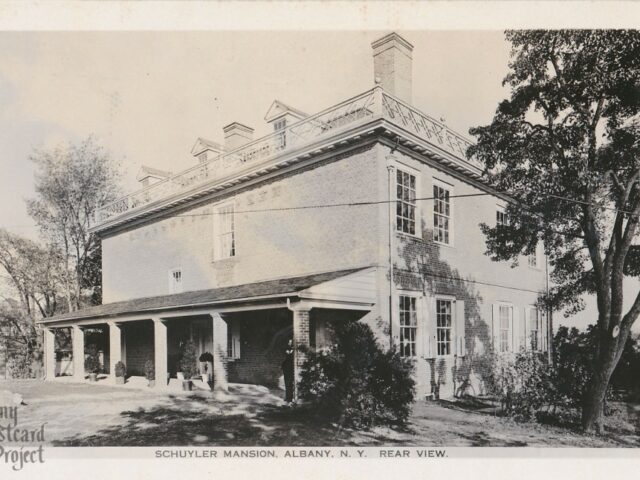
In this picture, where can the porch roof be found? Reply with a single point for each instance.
(281, 287)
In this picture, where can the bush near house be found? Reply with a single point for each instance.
(92, 360)
(121, 369)
(188, 360)
(523, 383)
(528, 387)
(150, 370)
(355, 382)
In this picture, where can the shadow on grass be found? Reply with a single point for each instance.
(483, 406)
(203, 421)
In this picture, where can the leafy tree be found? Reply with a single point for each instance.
(565, 148)
(71, 183)
(33, 280)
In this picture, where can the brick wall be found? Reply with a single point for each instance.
(263, 336)
(269, 244)
(285, 243)
(461, 271)
(138, 346)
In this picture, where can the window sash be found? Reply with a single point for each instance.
(408, 325)
(175, 281)
(505, 328)
(225, 232)
(405, 202)
(534, 319)
(501, 218)
(441, 215)
(444, 324)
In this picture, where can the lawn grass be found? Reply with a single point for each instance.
(92, 415)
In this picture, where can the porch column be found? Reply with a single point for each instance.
(300, 339)
(160, 351)
(77, 339)
(115, 348)
(49, 354)
(219, 351)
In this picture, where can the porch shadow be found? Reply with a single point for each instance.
(204, 421)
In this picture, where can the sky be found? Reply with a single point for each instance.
(147, 96)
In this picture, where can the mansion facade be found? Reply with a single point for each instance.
(367, 211)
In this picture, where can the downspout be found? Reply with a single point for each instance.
(390, 169)
(549, 316)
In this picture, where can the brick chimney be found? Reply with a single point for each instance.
(392, 65)
(236, 135)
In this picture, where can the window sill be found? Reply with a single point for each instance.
(414, 236)
(223, 260)
(441, 244)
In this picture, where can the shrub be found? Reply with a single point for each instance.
(355, 382)
(573, 353)
(188, 360)
(523, 383)
(19, 366)
(92, 360)
(206, 357)
(150, 370)
(121, 369)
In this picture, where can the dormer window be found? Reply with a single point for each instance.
(279, 125)
(202, 158)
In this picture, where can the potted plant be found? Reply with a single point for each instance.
(206, 359)
(188, 365)
(150, 372)
(121, 371)
(92, 364)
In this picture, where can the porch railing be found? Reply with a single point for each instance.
(371, 105)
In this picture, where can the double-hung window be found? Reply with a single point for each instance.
(533, 260)
(441, 215)
(534, 322)
(444, 321)
(175, 281)
(408, 325)
(224, 232)
(501, 218)
(505, 315)
(233, 340)
(405, 202)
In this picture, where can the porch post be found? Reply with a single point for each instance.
(115, 348)
(77, 339)
(49, 354)
(300, 339)
(160, 351)
(219, 351)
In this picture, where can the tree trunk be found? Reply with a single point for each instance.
(593, 405)
(594, 400)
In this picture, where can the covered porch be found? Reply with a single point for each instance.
(244, 328)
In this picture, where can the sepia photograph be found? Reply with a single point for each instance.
(381, 243)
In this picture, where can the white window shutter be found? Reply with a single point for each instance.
(423, 327)
(517, 330)
(430, 336)
(543, 334)
(460, 337)
(527, 328)
(495, 309)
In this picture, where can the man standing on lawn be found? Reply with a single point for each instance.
(287, 370)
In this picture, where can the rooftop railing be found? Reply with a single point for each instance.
(368, 106)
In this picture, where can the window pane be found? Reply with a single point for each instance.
(408, 325)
